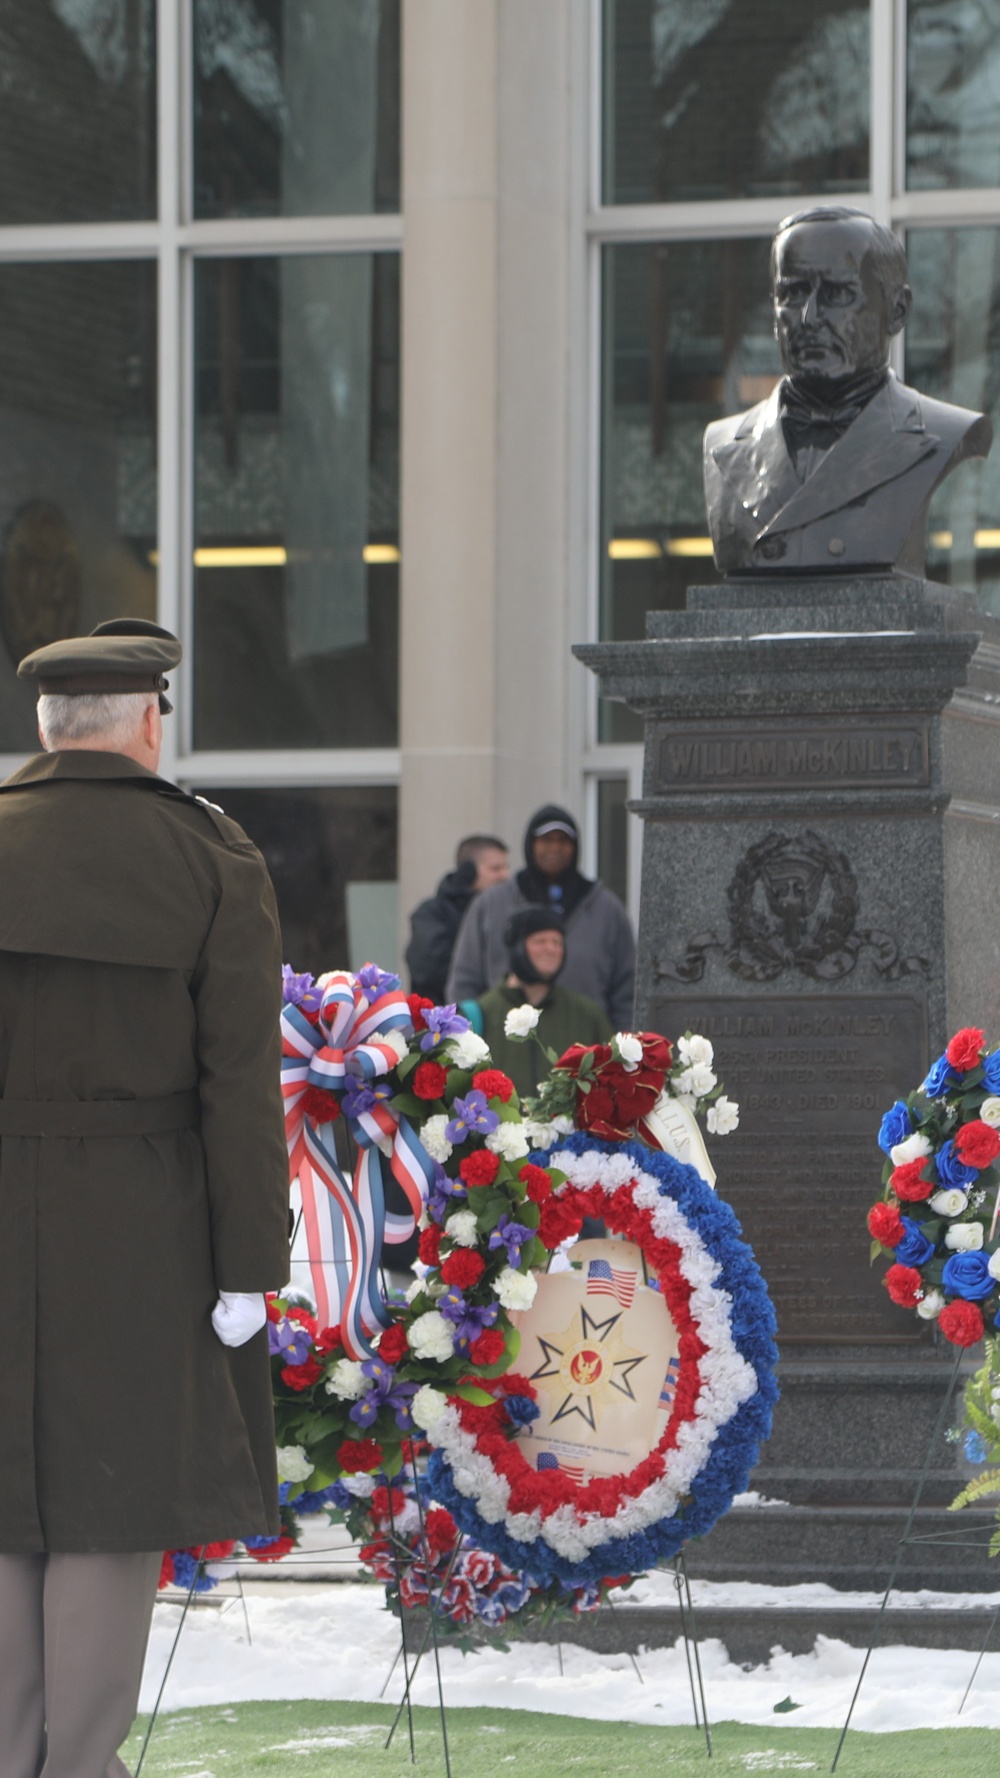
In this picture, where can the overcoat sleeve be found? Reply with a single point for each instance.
(237, 994)
(469, 975)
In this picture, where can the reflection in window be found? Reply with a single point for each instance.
(332, 858)
(734, 98)
(296, 107)
(687, 339)
(953, 352)
(77, 461)
(297, 501)
(78, 117)
(953, 93)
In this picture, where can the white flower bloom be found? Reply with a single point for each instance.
(508, 1141)
(430, 1336)
(521, 1021)
(462, 1228)
(432, 1135)
(629, 1048)
(413, 1290)
(692, 1050)
(361, 1486)
(540, 1136)
(965, 1237)
(293, 1464)
(723, 1116)
(915, 1148)
(394, 1040)
(948, 1202)
(696, 1081)
(516, 1290)
(989, 1111)
(930, 1305)
(347, 1380)
(467, 1050)
(427, 1407)
(993, 1267)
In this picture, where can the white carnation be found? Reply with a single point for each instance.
(509, 1141)
(394, 1040)
(293, 1464)
(723, 1116)
(915, 1148)
(694, 1050)
(467, 1050)
(540, 1136)
(930, 1305)
(430, 1336)
(965, 1237)
(993, 1267)
(629, 1049)
(462, 1228)
(521, 1021)
(989, 1111)
(413, 1290)
(695, 1081)
(948, 1201)
(347, 1380)
(516, 1290)
(427, 1407)
(432, 1135)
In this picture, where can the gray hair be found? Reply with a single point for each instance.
(111, 717)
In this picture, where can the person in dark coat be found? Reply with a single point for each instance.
(536, 953)
(480, 861)
(143, 1194)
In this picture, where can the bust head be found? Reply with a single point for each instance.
(838, 283)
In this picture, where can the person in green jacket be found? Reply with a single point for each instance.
(536, 952)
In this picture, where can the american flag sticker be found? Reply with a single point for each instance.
(549, 1460)
(607, 1280)
(669, 1389)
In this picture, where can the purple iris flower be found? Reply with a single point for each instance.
(472, 1116)
(376, 981)
(299, 990)
(442, 1192)
(510, 1235)
(442, 1022)
(290, 1339)
(360, 1096)
(468, 1319)
(385, 1391)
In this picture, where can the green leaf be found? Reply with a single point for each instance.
(408, 1105)
(785, 1706)
(480, 1398)
(982, 1487)
(875, 1248)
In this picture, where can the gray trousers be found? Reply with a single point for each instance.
(73, 1632)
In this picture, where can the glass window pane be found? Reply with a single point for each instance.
(77, 461)
(330, 852)
(952, 93)
(687, 339)
(78, 111)
(296, 107)
(297, 501)
(734, 98)
(953, 352)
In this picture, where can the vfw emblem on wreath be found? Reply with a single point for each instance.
(601, 1350)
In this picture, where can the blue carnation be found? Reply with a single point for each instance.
(951, 1170)
(521, 1409)
(941, 1079)
(974, 1446)
(914, 1249)
(968, 1275)
(991, 1072)
(897, 1124)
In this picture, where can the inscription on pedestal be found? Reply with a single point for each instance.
(744, 756)
(813, 1075)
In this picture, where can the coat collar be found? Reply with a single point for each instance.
(82, 763)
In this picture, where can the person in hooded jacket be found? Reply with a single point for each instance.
(536, 954)
(480, 861)
(600, 947)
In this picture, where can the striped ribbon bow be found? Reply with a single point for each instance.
(359, 1037)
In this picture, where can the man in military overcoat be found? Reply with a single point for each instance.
(143, 1195)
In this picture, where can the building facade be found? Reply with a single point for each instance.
(369, 344)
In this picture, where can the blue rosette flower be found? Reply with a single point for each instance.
(914, 1249)
(968, 1275)
(991, 1072)
(951, 1170)
(897, 1124)
(941, 1079)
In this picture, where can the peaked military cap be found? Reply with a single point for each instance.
(124, 654)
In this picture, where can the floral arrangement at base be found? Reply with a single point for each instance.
(937, 1221)
(980, 1440)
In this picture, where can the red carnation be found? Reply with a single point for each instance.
(904, 1285)
(977, 1144)
(273, 1552)
(304, 1319)
(479, 1168)
(966, 1048)
(558, 1222)
(359, 1456)
(319, 1105)
(430, 1080)
(441, 1531)
(302, 1376)
(418, 1005)
(393, 1345)
(488, 1347)
(907, 1183)
(218, 1552)
(166, 1571)
(961, 1323)
(886, 1224)
(463, 1268)
(429, 1250)
(271, 1305)
(493, 1084)
(328, 1340)
(536, 1182)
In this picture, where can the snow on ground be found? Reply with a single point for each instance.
(336, 1640)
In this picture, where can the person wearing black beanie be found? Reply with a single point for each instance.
(536, 952)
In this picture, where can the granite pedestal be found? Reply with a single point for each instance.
(820, 887)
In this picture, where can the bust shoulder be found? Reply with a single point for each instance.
(723, 432)
(955, 426)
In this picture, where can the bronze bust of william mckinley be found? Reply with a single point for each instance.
(835, 470)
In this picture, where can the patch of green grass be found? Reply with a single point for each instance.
(314, 1740)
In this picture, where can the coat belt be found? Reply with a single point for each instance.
(100, 1117)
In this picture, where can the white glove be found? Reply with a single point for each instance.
(237, 1316)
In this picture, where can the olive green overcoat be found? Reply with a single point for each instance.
(139, 961)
